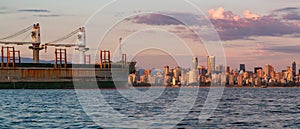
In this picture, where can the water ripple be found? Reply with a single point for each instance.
(238, 108)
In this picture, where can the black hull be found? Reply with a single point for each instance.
(62, 85)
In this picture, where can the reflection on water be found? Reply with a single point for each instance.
(238, 108)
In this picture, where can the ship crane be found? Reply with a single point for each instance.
(35, 40)
(80, 44)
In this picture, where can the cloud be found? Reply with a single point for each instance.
(216, 14)
(288, 13)
(4, 10)
(250, 15)
(245, 28)
(252, 25)
(284, 49)
(165, 19)
(220, 13)
(34, 10)
(231, 26)
(294, 16)
(44, 13)
(155, 19)
(48, 15)
(286, 9)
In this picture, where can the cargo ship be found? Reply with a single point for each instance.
(60, 74)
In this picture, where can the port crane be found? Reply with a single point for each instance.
(35, 40)
(36, 46)
(80, 44)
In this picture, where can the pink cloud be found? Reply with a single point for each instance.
(250, 25)
(220, 13)
(231, 26)
(250, 15)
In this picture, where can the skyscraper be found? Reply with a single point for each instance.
(294, 68)
(289, 73)
(242, 67)
(268, 70)
(210, 64)
(257, 68)
(166, 71)
(195, 63)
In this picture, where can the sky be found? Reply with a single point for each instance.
(253, 32)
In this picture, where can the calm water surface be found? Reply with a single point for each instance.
(238, 108)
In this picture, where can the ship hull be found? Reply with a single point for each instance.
(46, 76)
(61, 85)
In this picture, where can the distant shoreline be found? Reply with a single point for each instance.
(217, 87)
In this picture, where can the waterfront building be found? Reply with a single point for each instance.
(231, 79)
(132, 79)
(147, 72)
(294, 68)
(176, 73)
(183, 78)
(242, 67)
(211, 64)
(257, 68)
(228, 69)
(166, 71)
(245, 75)
(219, 68)
(167, 81)
(289, 73)
(194, 73)
(192, 77)
(240, 80)
(202, 70)
(195, 63)
(223, 79)
(279, 76)
(268, 70)
(257, 82)
(143, 79)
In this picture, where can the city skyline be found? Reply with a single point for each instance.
(293, 65)
(250, 35)
(216, 75)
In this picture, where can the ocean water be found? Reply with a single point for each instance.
(238, 108)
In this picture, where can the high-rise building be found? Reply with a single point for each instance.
(166, 71)
(195, 63)
(240, 80)
(268, 70)
(294, 68)
(211, 64)
(260, 73)
(228, 69)
(219, 68)
(242, 67)
(193, 74)
(177, 73)
(202, 70)
(289, 73)
(257, 68)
